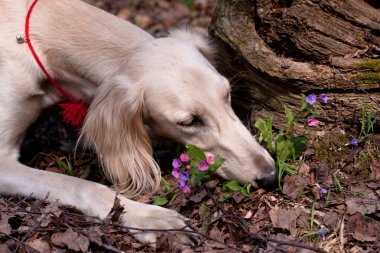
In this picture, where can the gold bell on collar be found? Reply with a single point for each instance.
(20, 39)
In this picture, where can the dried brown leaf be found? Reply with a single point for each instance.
(39, 245)
(375, 170)
(294, 184)
(95, 236)
(4, 248)
(5, 227)
(282, 218)
(75, 241)
(57, 239)
(199, 196)
(361, 230)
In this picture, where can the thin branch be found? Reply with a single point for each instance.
(357, 87)
(20, 242)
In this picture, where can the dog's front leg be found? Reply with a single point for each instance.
(91, 198)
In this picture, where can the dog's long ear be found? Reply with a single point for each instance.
(114, 127)
(199, 40)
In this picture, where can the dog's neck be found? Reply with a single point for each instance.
(81, 42)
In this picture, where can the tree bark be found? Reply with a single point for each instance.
(275, 50)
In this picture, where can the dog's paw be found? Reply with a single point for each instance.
(149, 220)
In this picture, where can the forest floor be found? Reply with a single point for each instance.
(330, 205)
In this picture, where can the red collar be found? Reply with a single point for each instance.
(74, 111)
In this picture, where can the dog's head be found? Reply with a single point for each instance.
(172, 86)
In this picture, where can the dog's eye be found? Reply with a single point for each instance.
(192, 121)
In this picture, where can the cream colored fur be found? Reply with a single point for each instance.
(130, 79)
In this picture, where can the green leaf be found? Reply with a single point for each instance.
(160, 201)
(166, 185)
(200, 177)
(225, 196)
(299, 145)
(265, 129)
(195, 153)
(284, 147)
(173, 197)
(248, 187)
(218, 162)
(290, 118)
(303, 102)
(233, 185)
(193, 178)
(244, 192)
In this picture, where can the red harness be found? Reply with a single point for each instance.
(74, 111)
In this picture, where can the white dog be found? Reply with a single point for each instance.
(129, 79)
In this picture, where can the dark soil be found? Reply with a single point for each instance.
(298, 218)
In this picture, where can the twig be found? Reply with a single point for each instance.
(294, 244)
(20, 242)
(110, 248)
(257, 237)
(185, 229)
(357, 87)
(30, 232)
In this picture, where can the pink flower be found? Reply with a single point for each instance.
(312, 122)
(188, 167)
(202, 165)
(210, 160)
(184, 157)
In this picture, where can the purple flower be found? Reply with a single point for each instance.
(184, 176)
(176, 163)
(183, 186)
(323, 232)
(202, 165)
(184, 157)
(311, 99)
(312, 122)
(176, 172)
(353, 142)
(323, 191)
(323, 98)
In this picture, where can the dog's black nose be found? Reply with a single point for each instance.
(268, 181)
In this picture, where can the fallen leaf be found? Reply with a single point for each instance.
(57, 239)
(375, 170)
(39, 245)
(5, 229)
(4, 248)
(304, 170)
(293, 185)
(272, 198)
(361, 230)
(248, 215)
(75, 241)
(361, 205)
(366, 204)
(218, 235)
(282, 218)
(95, 236)
(199, 196)
(237, 197)
(330, 219)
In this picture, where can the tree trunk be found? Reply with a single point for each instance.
(276, 50)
